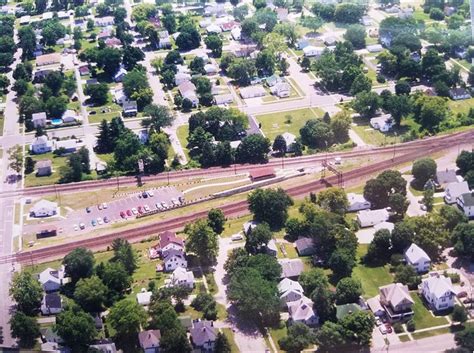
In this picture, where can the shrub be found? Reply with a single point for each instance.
(411, 326)
(381, 78)
(398, 327)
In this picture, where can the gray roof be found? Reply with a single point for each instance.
(38, 116)
(291, 267)
(52, 300)
(446, 176)
(467, 199)
(168, 254)
(395, 293)
(416, 254)
(130, 105)
(304, 243)
(45, 163)
(149, 339)
(202, 332)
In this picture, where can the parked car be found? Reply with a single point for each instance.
(144, 194)
(106, 219)
(175, 202)
(76, 228)
(158, 206)
(82, 225)
(164, 204)
(104, 205)
(94, 223)
(88, 209)
(129, 213)
(99, 221)
(378, 322)
(146, 208)
(140, 209)
(99, 206)
(383, 330)
(150, 193)
(122, 214)
(134, 211)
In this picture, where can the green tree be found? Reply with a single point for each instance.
(430, 112)
(334, 200)
(428, 199)
(316, 134)
(124, 254)
(265, 62)
(465, 338)
(377, 191)
(379, 248)
(331, 337)
(348, 12)
(29, 165)
(127, 318)
(465, 162)
(459, 314)
(202, 241)
(25, 328)
(79, 263)
(76, 328)
(270, 206)
(356, 35)
(298, 338)
(361, 324)
(341, 262)
(463, 240)
(348, 290)
(340, 125)
(366, 103)
(407, 275)
(398, 204)
(115, 278)
(423, 169)
(15, 158)
(361, 84)
(242, 70)
(158, 116)
(258, 238)
(214, 43)
(26, 291)
(222, 344)
(27, 41)
(253, 149)
(451, 217)
(98, 94)
(313, 23)
(279, 145)
(216, 220)
(90, 294)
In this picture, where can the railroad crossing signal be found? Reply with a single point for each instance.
(326, 165)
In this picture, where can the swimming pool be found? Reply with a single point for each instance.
(56, 121)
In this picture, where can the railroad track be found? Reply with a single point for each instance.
(446, 140)
(230, 210)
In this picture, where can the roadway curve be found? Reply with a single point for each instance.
(232, 209)
(241, 168)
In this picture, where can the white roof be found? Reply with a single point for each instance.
(52, 275)
(289, 138)
(210, 68)
(65, 143)
(44, 204)
(213, 28)
(272, 245)
(143, 298)
(373, 216)
(312, 49)
(181, 274)
(354, 198)
(38, 116)
(439, 285)
(381, 120)
(287, 285)
(301, 309)
(396, 293)
(40, 140)
(416, 254)
(385, 225)
(457, 189)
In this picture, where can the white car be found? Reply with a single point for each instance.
(383, 330)
(134, 211)
(150, 193)
(146, 208)
(76, 227)
(175, 202)
(100, 221)
(104, 205)
(378, 322)
(164, 204)
(158, 206)
(82, 225)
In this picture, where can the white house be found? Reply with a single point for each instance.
(150, 341)
(51, 280)
(51, 304)
(310, 51)
(454, 190)
(181, 77)
(222, 99)
(466, 203)
(68, 145)
(187, 90)
(165, 41)
(173, 259)
(369, 218)
(44, 208)
(119, 96)
(41, 144)
(382, 123)
(144, 297)
(120, 74)
(236, 33)
(302, 311)
(357, 202)
(104, 21)
(39, 119)
(69, 116)
(385, 225)
(211, 69)
(290, 291)
(252, 92)
(417, 258)
(374, 48)
(182, 277)
(290, 139)
(213, 28)
(281, 89)
(438, 292)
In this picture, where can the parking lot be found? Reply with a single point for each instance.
(120, 210)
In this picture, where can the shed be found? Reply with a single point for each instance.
(262, 173)
(305, 246)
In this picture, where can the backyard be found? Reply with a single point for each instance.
(57, 163)
(374, 137)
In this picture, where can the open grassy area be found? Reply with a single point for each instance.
(107, 112)
(182, 132)
(431, 333)
(371, 277)
(461, 106)
(291, 121)
(291, 252)
(230, 337)
(375, 137)
(423, 317)
(277, 334)
(57, 163)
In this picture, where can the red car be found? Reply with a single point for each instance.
(122, 214)
(140, 209)
(129, 213)
(389, 328)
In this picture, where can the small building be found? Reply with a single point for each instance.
(187, 90)
(84, 70)
(41, 144)
(290, 139)
(213, 29)
(113, 42)
(305, 246)
(271, 248)
(438, 292)
(24, 20)
(357, 202)
(330, 40)
(129, 108)
(453, 190)
(302, 43)
(249, 226)
(51, 280)
(69, 146)
(282, 14)
(262, 173)
(105, 21)
(182, 277)
(39, 119)
(44, 208)
(173, 259)
(169, 241)
(69, 116)
(289, 291)
(48, 59)
(51, 304)
(119, 96)
(203, 335)
(104, 346)
(310, 51)
(346, 309)
(104, 34)
(366, 21)
(417, 258)
(369, 218)
(252, 92)
(466, 204)
(302, 311)
(281, 90)
(396, 301)
(291, 268)
(382, 123)
(374, 48)
(459, 94)
(229, 26)
(236, 33)
(211, 69)
(223, 99)
(444, 177)
(405, 13)
(44, 167)
(144, 297)
(40, 75)
(150, 341)
(120, 74)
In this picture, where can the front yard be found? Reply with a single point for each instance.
(423, 317)
(57, 163)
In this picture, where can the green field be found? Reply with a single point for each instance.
(277, 123)
(182, 132)
(57, 163)
(461, 106)
(423, 317)
(377, 138)
(2, 122)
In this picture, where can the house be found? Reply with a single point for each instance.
(41, 144)
(69, 146)
(165, 41)
(357, 202)
(282, 14)
(330, 40)
(92, 81)
(120, 74)
(252, 92)
(302, 43)
(69, 116)
(188, 90)
(84, 70)
(302, 311)
(129, 108)
(113, 42)
(173, 259)
(105, 21)
(44, 167)
(305, 246)
(217, 10)
(466, 204)
(244, 50)
(48, 59)
(181, 77)
(382, 123)
(459, 94)
(262, 173)
(203, 335)
(249, 226)
(211, 69)
(169, 241)
(236, 33)
(24, 20)
(40, 75)
(104, 34)
(182, 277)
(346, 309)
(444, 177)
(454, 190)
(438, 292)
(272, 80)
(51, 280)
(48, 335)
(290, 291)
(104, 346)
(150, 341)
(271, 248)
(310, 51)
(213, 28)
(63, 15)
(291, 268)
(396, 301)
(417, 258)
(44, 208)
(119, 96)
(144, 297)
(369, 218)
(223, 99)
(374, 48)
(290, 139)
(229, 26)
(51, 304)
(281, 89)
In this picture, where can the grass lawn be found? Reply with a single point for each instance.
(277, 123)
(419, 14)
(431, 333)
(58, 162)
(235, 226)
(461, 106)
(290, 251)
(277, 334)
(423, 317)
(182, 132)
(211, 283)
(404, 338)
(2, 122)
(230, 337)
(371, 277)
(106, 112)
(375, 137)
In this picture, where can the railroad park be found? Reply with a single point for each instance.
(243, 176)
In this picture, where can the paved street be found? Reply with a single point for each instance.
(431, 344)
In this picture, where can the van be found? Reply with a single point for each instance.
(237, 237)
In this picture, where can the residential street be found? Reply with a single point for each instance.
(431, 344)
